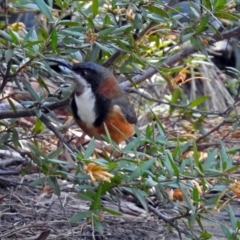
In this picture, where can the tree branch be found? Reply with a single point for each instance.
(32, 112)
(178, 57)
(55, 130)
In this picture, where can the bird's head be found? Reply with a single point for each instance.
(90, 75)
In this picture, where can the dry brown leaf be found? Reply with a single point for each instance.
(18, 26)
(236, 188)
(177, 194)
(47, 189)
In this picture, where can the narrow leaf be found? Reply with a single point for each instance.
(54, 36)
(95, 7)
(198, 101)
(80, 216)
(44, 8)
(141, 169)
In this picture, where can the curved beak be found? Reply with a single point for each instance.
(65, 66)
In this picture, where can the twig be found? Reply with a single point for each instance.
(32, 112)
(6, 75)
(57, 133)
(28, 227)
(9, 172)
(65, 214)
(211, 131)
(132, 90)
(169, 221)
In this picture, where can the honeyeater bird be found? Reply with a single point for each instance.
(98, 102)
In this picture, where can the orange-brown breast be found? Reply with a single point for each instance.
(118, 127)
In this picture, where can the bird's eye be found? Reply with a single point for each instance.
(84, 73)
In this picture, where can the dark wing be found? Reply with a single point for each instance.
(126, 108)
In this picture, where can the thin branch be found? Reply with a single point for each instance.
(29, 226)
(169, 221)
(57, 133)
(205, 113)
(32, 112)
(6, 75)
(211, 131)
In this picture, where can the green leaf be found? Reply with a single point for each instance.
(232, 217)
(12, 105)
(9, 54)
(97, 224)
(39, 113)
(158, 11)
(68, 23)
(5, 35)
(38, 126)
(227, 16)
(138, 21)
(123, 28)
(188, 200)
(197, 43)
(53, 182)
(94, 53)
(14, 35)
(44, 8)
(15, 138)
(175, 97)
(186, 37)
(205, 235)
(197, 101)
(31, 90)
(90, 149)
(219, 4)
(95, 6)
(54, 36)
(228, 232)
(37, 151)
(203, 24)
(43, 84)
(55, 153)
(97, 199)
(37, 182)
(195, 195)
(113, 212)
(175, 168)
(149, 131)
(5, 137)
(106, 31)
(79, 216)
(141, 169)
(196, 157)
(207, 4)
(238, 224)
(140, 195)
(102, 47)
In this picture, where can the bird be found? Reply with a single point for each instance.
(98, 102)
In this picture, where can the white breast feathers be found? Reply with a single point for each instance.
(86, 106)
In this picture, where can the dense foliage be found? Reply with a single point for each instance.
(154, 48)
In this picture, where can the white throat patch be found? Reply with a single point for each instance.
(85, 102)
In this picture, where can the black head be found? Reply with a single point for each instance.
(86, 73)
(93, 73)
